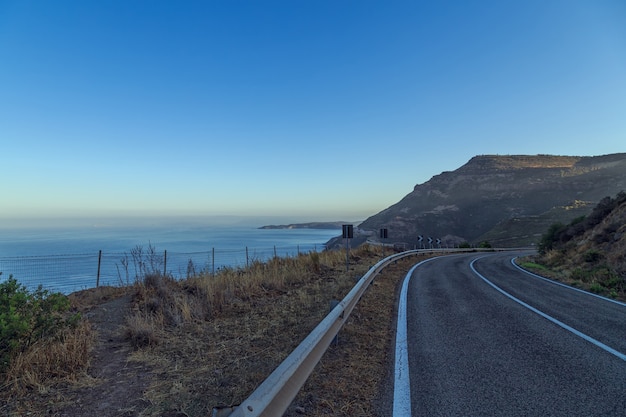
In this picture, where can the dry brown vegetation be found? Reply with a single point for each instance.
(46, 362)
(210, 340)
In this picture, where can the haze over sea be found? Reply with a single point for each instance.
(65, 257)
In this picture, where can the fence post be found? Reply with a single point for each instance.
(247, 263)
(298, 250)
(165, 262)
(99, 262)
(275, 251)
(213, 261)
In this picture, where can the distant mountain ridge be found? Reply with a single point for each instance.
(507, 199)
(310, 225)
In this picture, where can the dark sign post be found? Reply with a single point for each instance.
(420, 239)
(348, 233)
(383, 235)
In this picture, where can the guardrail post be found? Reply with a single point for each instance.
(333, 304)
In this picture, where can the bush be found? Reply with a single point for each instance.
(26, 317)
(592, 256)
(551, 237)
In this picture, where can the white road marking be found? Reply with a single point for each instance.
(402, 382)
(550, 318)
(565, 285)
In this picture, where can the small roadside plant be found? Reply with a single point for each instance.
(27, 317)
(533, 266)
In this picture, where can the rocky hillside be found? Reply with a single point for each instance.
(508, 200)
(590, 251)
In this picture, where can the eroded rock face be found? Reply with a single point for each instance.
(512, 198)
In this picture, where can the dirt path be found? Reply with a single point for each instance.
(118, 384)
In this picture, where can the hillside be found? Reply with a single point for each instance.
(508, 200)
(590, 251)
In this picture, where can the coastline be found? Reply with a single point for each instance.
(311, 225)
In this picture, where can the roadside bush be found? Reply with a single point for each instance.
(26, 317)
(592, 256)
(550, 238)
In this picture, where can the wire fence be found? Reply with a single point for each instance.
(73, 272)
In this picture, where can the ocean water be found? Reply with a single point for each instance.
(68, 259)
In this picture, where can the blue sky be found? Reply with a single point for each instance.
(317, 109)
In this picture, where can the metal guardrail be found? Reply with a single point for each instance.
(276, 393)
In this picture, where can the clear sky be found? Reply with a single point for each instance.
(320, 109)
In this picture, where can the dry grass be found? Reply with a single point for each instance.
(219, 337)
(210, 340)
(86, 299)
(353, 376)
(62, 360)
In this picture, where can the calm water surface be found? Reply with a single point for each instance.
(66, 258)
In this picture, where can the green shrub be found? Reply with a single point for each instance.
(580, 274)
(465, 245)
(26, 317)
(592, 256)
(612, 280)
(550, 238)
(596, 288)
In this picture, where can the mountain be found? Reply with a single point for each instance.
(508, 200)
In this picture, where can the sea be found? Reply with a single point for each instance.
(72, 258)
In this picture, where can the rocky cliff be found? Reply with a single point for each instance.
(509, 200)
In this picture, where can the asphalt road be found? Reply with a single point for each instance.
(475, 351)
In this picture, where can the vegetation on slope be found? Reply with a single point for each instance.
(590, 251)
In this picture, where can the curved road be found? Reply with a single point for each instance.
(484, 338)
